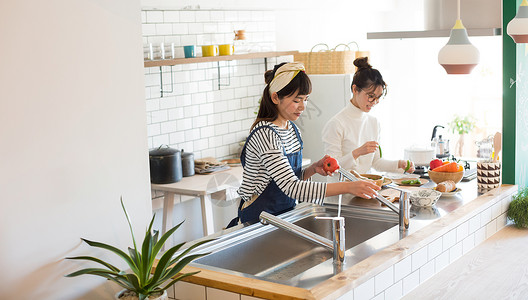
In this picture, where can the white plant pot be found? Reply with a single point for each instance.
(120, 294)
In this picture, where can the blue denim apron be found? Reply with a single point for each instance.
(272, 199)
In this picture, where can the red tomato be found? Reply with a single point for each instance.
(330, 165)
(435, 163)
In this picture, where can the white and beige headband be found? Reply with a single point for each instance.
(284, 75)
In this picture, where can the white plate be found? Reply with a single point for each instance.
(393, 175)
(452, 193)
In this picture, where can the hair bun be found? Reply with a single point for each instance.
(268, 76)
(362, 63)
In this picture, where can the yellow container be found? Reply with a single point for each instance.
(210, 50)
(226, 49)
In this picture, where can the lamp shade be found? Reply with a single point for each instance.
(458, 56)
(518, 26)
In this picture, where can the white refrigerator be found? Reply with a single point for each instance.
(330, 94)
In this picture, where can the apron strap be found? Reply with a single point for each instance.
(298, 135)
(243, 152)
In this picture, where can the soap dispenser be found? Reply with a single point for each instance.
(442, 147)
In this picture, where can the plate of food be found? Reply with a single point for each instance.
(378, 179)
(386, 181)
(411, 181)
(447, 188)
(452, 193)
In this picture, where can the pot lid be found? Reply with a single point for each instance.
(163, 150)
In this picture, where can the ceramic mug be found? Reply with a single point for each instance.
(189, 51)
(210, 50)
(226, 49)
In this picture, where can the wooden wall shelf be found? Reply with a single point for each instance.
(180, 61)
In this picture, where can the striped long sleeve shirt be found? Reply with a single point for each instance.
(265, 160)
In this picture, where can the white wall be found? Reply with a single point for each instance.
(73, 137)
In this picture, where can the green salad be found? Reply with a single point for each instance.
(411, 181)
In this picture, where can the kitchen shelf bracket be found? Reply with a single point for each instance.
(228, 74)
(162, 92)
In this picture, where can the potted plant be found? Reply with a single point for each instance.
(518, 210)
(462, 126)
(141, 283)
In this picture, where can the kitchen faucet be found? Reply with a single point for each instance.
(337, 246)
(338, 234)
(403, 211)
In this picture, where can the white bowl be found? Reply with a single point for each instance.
(424, 198)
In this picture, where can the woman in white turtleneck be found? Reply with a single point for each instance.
(352, 135)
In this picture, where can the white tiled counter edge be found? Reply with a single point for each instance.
(402, 277)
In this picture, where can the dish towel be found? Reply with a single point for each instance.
(208, 165)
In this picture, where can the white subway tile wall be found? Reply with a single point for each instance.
(188, 291)
(364, 290)
(438, 254)
(213, 293)
(212, 105)
(384, 280)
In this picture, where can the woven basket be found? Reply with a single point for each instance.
(328, 61)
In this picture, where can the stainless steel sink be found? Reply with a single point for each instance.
(265, 252)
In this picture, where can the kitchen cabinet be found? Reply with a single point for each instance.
(180, 61)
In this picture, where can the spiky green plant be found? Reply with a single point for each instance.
(141, 280)
(518, 210)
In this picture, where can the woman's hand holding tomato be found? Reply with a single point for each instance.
(361, 188)
(326, 166)
(330, 164)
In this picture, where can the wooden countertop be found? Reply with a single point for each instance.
(496, 269)
(343, 282)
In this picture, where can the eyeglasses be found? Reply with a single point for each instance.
(371, 97)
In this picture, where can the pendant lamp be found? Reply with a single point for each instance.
(518, 26)
(459, 56)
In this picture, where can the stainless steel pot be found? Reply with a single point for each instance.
(165, 165)
(187, 163)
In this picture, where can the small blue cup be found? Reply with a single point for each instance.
(189, 51)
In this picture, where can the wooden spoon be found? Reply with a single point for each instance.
(497, 145)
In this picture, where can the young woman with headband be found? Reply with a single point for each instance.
(352, 135)
(273, 179)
